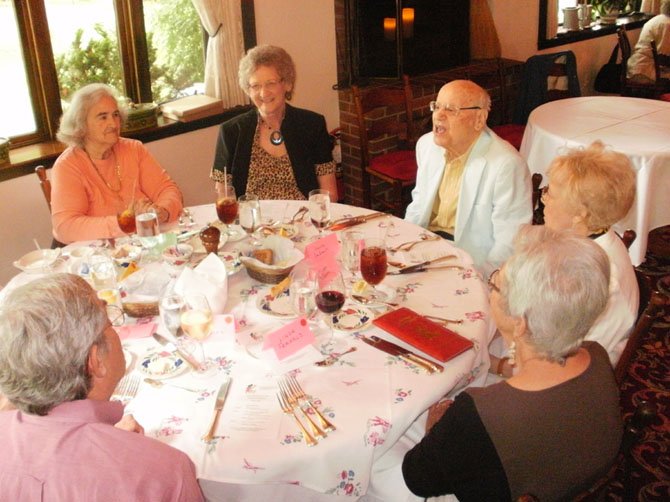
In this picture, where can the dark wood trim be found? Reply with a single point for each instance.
(248, 24)
(134, 50)
(24, 160)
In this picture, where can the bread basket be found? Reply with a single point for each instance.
(286, 257)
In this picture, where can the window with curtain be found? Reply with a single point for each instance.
(149, 50)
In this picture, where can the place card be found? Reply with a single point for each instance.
(289, 339)
(326, 247)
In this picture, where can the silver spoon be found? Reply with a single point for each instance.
(366, 301)
(330, 360)
(160, 383)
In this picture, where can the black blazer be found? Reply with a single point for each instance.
(305, 135)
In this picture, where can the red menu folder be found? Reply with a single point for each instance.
(427, 336)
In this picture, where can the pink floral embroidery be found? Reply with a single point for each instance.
(478, 315)
(377, 428)
(402, 394)
(347, 485)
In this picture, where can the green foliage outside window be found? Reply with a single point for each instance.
(99, 61)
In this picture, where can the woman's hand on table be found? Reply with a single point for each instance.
(128, 423)
(145, 205)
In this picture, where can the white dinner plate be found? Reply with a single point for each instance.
(162, 364)
(350, 318)
(129, 357)
(279, 306)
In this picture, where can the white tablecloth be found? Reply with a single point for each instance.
(639, 128)
(371, 397)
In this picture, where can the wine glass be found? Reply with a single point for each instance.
(196, 321)
(126, 219)
(250, 215)
(303, 291)
(330, 297)
(351, 252)
(226, 205)
(374, 265)
(170, 308)
(319, 208)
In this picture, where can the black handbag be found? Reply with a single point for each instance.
(609, 76)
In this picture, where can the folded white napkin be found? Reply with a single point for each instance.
(209, 278)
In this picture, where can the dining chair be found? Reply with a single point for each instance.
(631, 87)
(546, 77)
(386, 134)
(45, 184)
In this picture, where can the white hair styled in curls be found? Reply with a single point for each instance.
(558, 282)
(47, 329)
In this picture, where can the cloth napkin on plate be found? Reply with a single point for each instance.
(209, 278)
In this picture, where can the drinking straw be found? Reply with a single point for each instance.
(225, 180)
(37, 245)
(132, 197)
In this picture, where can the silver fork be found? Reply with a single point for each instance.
(187, 213)
(290, 397)
(300, 394)
(127, 388)
(286, 408)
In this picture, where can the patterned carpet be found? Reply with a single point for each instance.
(648, 380)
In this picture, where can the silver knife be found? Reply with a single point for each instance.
(420, 266)
(425, 269)
(350, 222)
(404, 354)
(192, 362)
(218, 406)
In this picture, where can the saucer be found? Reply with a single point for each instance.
(350, 318)
(161, 365)
(279, 306)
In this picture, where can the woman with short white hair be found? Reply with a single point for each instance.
(555, 425)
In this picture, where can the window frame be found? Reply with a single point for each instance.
(568, 37)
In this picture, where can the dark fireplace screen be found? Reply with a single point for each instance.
(391, 37)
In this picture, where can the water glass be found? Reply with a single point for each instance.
(147, 228)
(303, 291)
(170, 308)
(250, 215)
(319, 208)
(102, 273)
(352, 241)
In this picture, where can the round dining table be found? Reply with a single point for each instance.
(639, 128)
(371, 397)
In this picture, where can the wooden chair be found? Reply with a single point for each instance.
(546, 77)
(41, 173)
(45, 184)
(538, 206)
(630, 87)
(388, 160)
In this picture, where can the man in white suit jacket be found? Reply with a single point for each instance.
(494, 188)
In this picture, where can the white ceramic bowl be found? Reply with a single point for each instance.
(126, 253)
(178, 255)
(37, 261)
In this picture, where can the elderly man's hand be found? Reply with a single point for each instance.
(128, 423)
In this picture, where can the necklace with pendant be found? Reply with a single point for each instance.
(117, 170)
(276, 137)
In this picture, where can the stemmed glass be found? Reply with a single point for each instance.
(147, 228)
(170, 308)
(374, 265)
(351, 252)
(303, 290)
(196, 320)
(126, 219)
(250, 215)
(319, 208)
(330, 297)
(226, 206)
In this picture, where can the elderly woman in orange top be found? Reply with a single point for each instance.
(100, 173)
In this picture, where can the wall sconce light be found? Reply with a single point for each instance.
(408, 23)
(389, 28)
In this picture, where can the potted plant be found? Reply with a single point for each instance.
(607, 9)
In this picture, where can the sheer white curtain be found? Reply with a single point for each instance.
(222, 20)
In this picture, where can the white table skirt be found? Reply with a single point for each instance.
(639, 128)
(371, 397)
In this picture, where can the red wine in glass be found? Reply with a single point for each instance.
(329, 302)
(373, 264)
(226, 209)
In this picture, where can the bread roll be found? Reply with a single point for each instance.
(263, 255)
